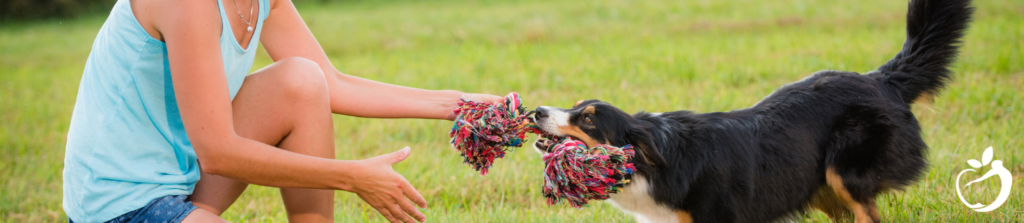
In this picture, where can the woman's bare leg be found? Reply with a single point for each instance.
(286, 105)
(201, 216)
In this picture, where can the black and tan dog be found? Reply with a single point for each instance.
(832, 141)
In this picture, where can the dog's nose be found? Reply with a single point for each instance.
(540, 113)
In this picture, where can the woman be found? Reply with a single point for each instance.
(165, 99)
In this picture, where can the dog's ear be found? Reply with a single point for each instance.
(643, 142)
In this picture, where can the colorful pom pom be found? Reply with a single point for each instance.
(484, 131)
(577, 174)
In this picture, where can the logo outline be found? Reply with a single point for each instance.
(997, 169)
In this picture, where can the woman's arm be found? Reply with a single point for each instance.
(191, 30)
(285, 35)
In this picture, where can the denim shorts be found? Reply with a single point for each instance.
(171, 208)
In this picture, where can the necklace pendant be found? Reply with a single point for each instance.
(249, 28)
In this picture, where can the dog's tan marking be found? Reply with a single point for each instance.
(575, 132)
(578, 103)
(873, 211)
(924, 99)
(684, 217)
(589, 110)
(827, 201)
(860, 211)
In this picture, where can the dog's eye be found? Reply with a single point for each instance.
(587, 120)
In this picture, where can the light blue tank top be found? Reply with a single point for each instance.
(126, 144)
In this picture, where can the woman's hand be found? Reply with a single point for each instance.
(477, 98)
(386, 190)
(483, 98)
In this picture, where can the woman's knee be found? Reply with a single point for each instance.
(302, 78)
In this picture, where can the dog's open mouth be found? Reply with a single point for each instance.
(545, 141)
(548, 141)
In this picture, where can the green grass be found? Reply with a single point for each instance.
(700, 55)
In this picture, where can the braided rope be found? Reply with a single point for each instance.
(484, 131)
(576, 174)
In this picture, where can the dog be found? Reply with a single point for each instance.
(833, 141)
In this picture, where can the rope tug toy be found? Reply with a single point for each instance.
(484, 131)
(576, 174)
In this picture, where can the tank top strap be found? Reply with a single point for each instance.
(264, 12)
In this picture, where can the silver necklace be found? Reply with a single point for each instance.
(248, 26)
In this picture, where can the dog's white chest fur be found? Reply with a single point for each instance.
(635, 198)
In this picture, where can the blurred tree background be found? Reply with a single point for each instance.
(39, 9)
(43, 9)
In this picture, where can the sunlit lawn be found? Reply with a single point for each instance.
(648, 55)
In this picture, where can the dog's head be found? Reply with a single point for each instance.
(596, 122)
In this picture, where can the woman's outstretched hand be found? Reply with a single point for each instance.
(386, 190)
(477, 98)
(483, 98)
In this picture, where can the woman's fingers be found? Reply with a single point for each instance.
(476, 98)
(413, 194)
(405, 193)
(394, 202)
(397, 212)
(397, 208)
(381, 208)
(496, 99)
(410, 209)
(483, 98)
(393, 157)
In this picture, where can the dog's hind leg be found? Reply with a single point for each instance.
(828, 202)
(873, 211)
(863, 212)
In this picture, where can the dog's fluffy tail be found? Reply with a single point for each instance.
(934, 30)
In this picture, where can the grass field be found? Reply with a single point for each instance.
(700, 55)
